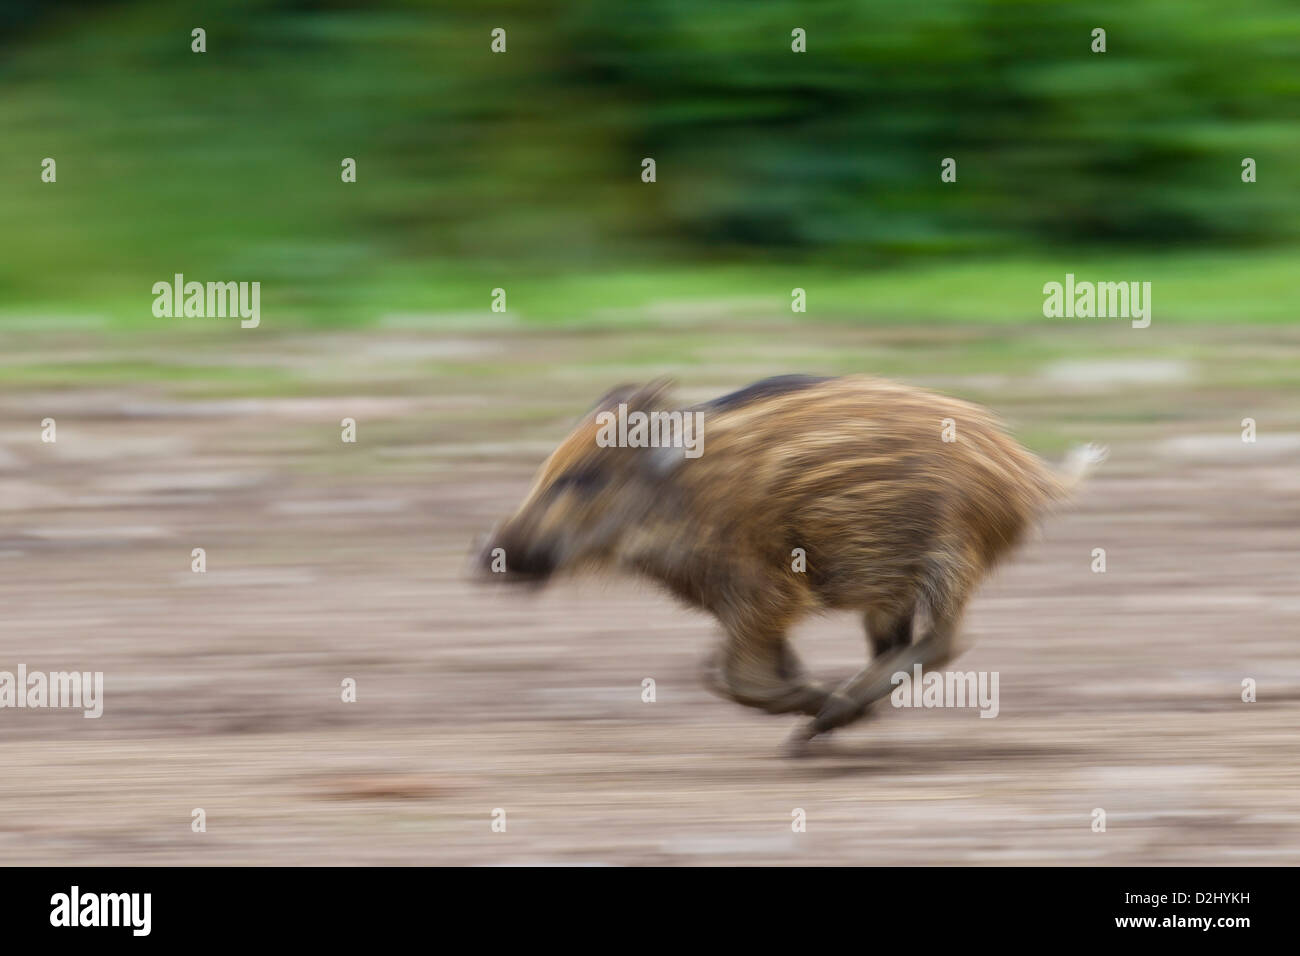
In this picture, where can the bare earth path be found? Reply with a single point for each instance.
(328, 561)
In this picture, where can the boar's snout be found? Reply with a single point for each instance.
(506, 558)
(536, 564)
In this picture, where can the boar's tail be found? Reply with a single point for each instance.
(1080, 462)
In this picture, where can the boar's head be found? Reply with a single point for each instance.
(585, 500)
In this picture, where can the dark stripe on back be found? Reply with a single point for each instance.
(767, 388)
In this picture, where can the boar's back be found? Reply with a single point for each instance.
(766, 388)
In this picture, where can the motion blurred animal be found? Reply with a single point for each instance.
(803, 494)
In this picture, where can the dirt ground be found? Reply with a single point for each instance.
(328, 561)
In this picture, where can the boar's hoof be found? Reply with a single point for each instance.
(803, 742)
(836, 712)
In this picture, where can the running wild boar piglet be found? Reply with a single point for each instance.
(791, 495)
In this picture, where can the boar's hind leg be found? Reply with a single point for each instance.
(888, 630)
(760, 669)
(852, 698)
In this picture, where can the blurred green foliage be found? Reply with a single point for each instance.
(477, 170)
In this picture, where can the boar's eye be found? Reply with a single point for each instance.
(584, 480)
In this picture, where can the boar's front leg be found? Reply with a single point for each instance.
(756, 666)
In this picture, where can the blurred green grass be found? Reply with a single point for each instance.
(1197, 287)
(520, 171)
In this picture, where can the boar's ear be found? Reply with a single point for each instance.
(611, 399)
(650, 396)
(641, 397)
